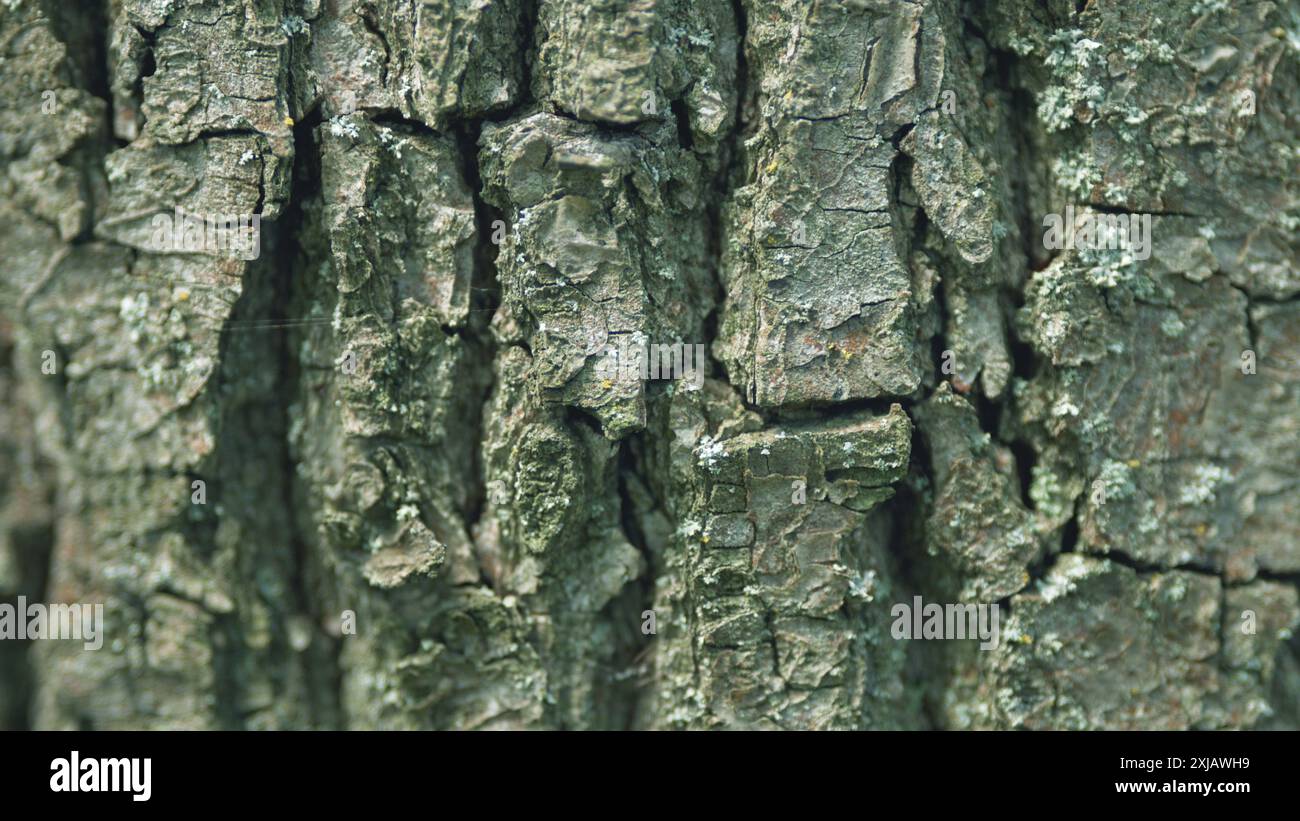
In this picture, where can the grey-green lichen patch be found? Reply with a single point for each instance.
(551, 536)
(547, 477)
(1119, 101)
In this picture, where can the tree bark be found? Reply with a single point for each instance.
(380, 475)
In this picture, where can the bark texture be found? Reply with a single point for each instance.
(397, 410)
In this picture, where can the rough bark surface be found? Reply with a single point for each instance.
(398, 411)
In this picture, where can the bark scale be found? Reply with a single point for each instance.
(400, 420)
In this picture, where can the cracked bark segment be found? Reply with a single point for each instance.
(1264, 410)
(597, 60)
(819, 302)
(1149, 404)
(432, 62)
(405, 670)
(873, 57)
(625, 61)
(959, 218)
(216, 137)
(551, 537)
(1099, 646)
(398, 668)
(944, 166)
(396, 226)
(380, 384)
(606, 245)
(48, 124)
(678, 701)
(583, 588)
(979, 537)
(399, 195)
(201, 85)
(174, 367)
(551, 545)
(781, 594)
(969, 170)
(216, 179)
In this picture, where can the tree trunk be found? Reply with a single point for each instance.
(389, 467)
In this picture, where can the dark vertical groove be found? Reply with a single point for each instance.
(485, 298)
(485, 285)
(320, 660)
(31, 540)
(725, 180)
(640, 591)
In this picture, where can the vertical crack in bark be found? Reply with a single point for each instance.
(320, 659)
(485, 290)
(485, 299)
(628, 664)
